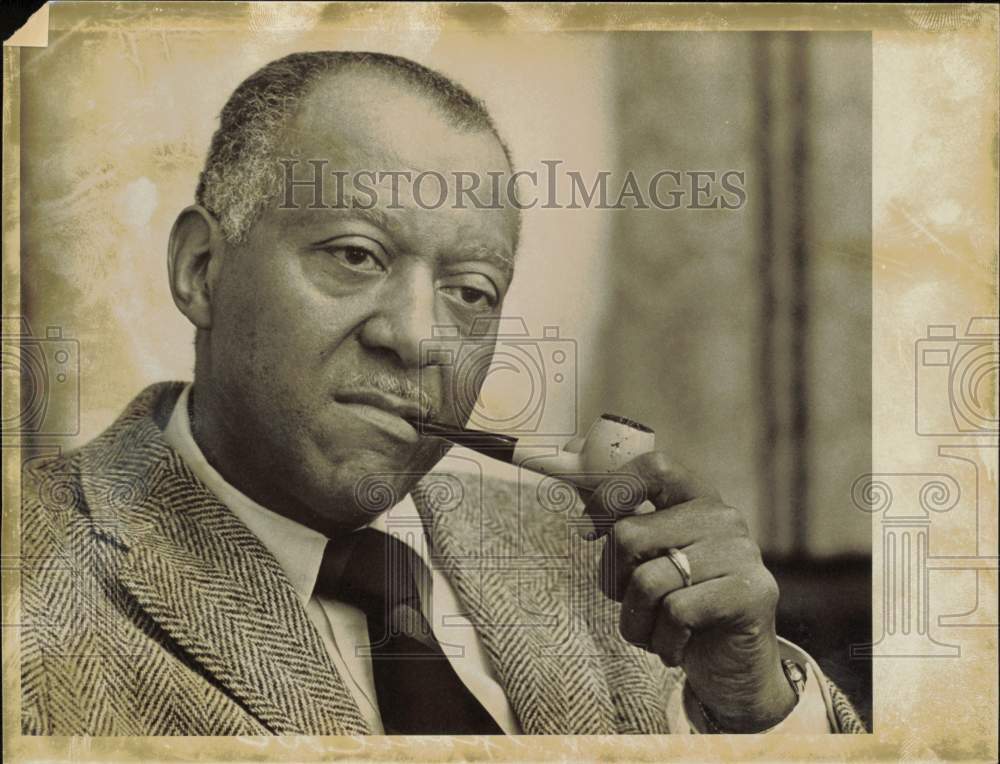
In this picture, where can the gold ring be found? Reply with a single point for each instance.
(682, 563)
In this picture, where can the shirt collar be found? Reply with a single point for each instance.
(297, 548)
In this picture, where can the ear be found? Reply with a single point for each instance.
(196, 252)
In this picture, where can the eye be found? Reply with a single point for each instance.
(356, 257)
(474, 298)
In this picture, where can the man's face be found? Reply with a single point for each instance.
(319, 315)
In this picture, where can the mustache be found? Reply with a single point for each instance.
(401, 387)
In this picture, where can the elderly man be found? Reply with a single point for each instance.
(208, 565)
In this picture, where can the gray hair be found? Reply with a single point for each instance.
(241, 175)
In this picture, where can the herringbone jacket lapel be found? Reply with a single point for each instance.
(207, 581)
(554, 645)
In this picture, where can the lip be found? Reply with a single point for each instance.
(388, 412)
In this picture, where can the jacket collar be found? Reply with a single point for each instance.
(205, 579)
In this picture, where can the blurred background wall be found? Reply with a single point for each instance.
(742, 336)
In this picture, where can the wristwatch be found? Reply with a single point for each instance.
(795, 675)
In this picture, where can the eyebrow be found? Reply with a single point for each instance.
(372, 215)
(499, 259)
(377, 217)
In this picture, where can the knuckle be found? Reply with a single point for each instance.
(734, 520)
(771, 591)
(661, 463)
(763, 589)
(646, 580)
(676, 611)
(627, 536)
(657, 464)
(747, 549)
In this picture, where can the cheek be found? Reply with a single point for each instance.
(248, 338)
(463, 381)
(275, 334)
(254, 304)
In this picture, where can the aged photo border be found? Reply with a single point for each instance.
(932, 490)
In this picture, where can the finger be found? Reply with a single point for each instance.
(653, 476)
(657, 578)
(725, 600)
(668, 641)
(721, 600)
(636, 540)
(688, 610)
(650, 583)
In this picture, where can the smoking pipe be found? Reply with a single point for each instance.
(611, 442)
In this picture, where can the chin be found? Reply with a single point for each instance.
(366, 482)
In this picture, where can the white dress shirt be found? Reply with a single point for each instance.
(344, 628)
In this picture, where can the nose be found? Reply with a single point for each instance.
(404, 316)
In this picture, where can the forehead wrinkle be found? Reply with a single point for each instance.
(304, 143)
(374, 215)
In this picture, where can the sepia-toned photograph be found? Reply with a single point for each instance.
(398, 372)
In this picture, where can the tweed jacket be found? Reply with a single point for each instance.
(148, 608)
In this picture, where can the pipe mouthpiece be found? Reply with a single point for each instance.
(627, 422)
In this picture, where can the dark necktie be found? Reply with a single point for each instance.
(418, 691)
